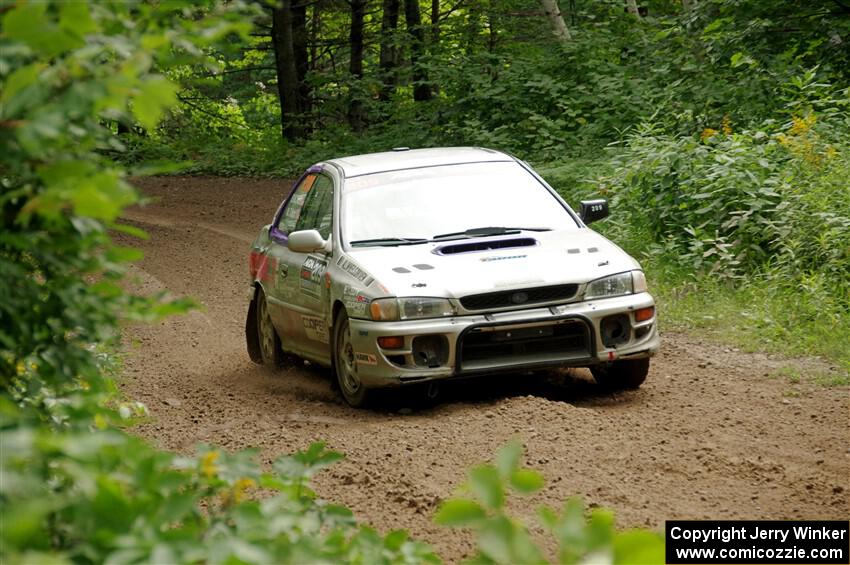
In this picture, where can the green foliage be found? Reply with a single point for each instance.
(67, 72)
(104, 496)
(770, 200)
(504, 82)
(75, 488)
(504, 539)
(745, 233)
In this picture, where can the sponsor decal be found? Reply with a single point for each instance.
(365, 359)
(502, 258)
(356, 304)
(352, 269)
(315, 328)
(312, 273)
(418, 285)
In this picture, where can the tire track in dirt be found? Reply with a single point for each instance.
(710, 435)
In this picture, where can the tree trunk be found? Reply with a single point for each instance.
(355, 67)
(633, 8)
(473, 20)
(434, 40)
(287, 73)
(435, 23)
(553, 12)
(299, 51)
(413, 18)
(314, 35)
(389, 48)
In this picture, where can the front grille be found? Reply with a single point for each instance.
(506, 346)
(518, 297)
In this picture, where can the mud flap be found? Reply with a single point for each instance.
(252, 337)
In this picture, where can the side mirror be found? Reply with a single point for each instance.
(592, 210)
(305, 241)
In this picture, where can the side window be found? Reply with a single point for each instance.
(289, 217)
(317, 211)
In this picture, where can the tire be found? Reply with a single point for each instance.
(627, 374)
(271, 351)
(345, 365)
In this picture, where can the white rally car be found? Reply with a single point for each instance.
(419, 265)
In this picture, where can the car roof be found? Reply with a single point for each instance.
(403, 158)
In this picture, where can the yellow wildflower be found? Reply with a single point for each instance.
(239, 488)
(21, 368)
(208, 466)
(800, 125)
(707, 133)
(100, 422)
(726, 125)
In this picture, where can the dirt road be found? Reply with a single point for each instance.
(714, 433)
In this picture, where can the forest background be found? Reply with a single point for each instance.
(718, 129)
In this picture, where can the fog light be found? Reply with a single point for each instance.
(391, 342)
(616, 329)
(644, 314)
(430, 350)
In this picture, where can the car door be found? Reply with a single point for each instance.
(310, 301)
(300, 291)
(282, 287)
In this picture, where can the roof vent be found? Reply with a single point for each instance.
(485, 245)
(401, 148)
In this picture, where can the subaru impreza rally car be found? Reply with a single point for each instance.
(415, 266)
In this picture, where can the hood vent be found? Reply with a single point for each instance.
(487, 245)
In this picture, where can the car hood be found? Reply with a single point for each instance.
(455, 268)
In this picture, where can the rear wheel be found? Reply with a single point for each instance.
(270, 348)
(345, 365)
(623, 374)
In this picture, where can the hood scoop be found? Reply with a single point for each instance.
(487, 245)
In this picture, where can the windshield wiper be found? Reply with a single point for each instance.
(388, 241)
(486, 231)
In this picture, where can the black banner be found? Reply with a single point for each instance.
(757, 541)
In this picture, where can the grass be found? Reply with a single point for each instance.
(756, 316)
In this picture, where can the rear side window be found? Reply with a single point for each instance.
(289, 217)
(317, 211)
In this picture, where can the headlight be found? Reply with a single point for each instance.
(632, 282)
(386, 309)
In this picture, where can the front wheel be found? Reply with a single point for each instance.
(623, 374)
(345, 365)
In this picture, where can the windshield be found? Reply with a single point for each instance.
(419, 204)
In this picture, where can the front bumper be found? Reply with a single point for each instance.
(551, 336)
